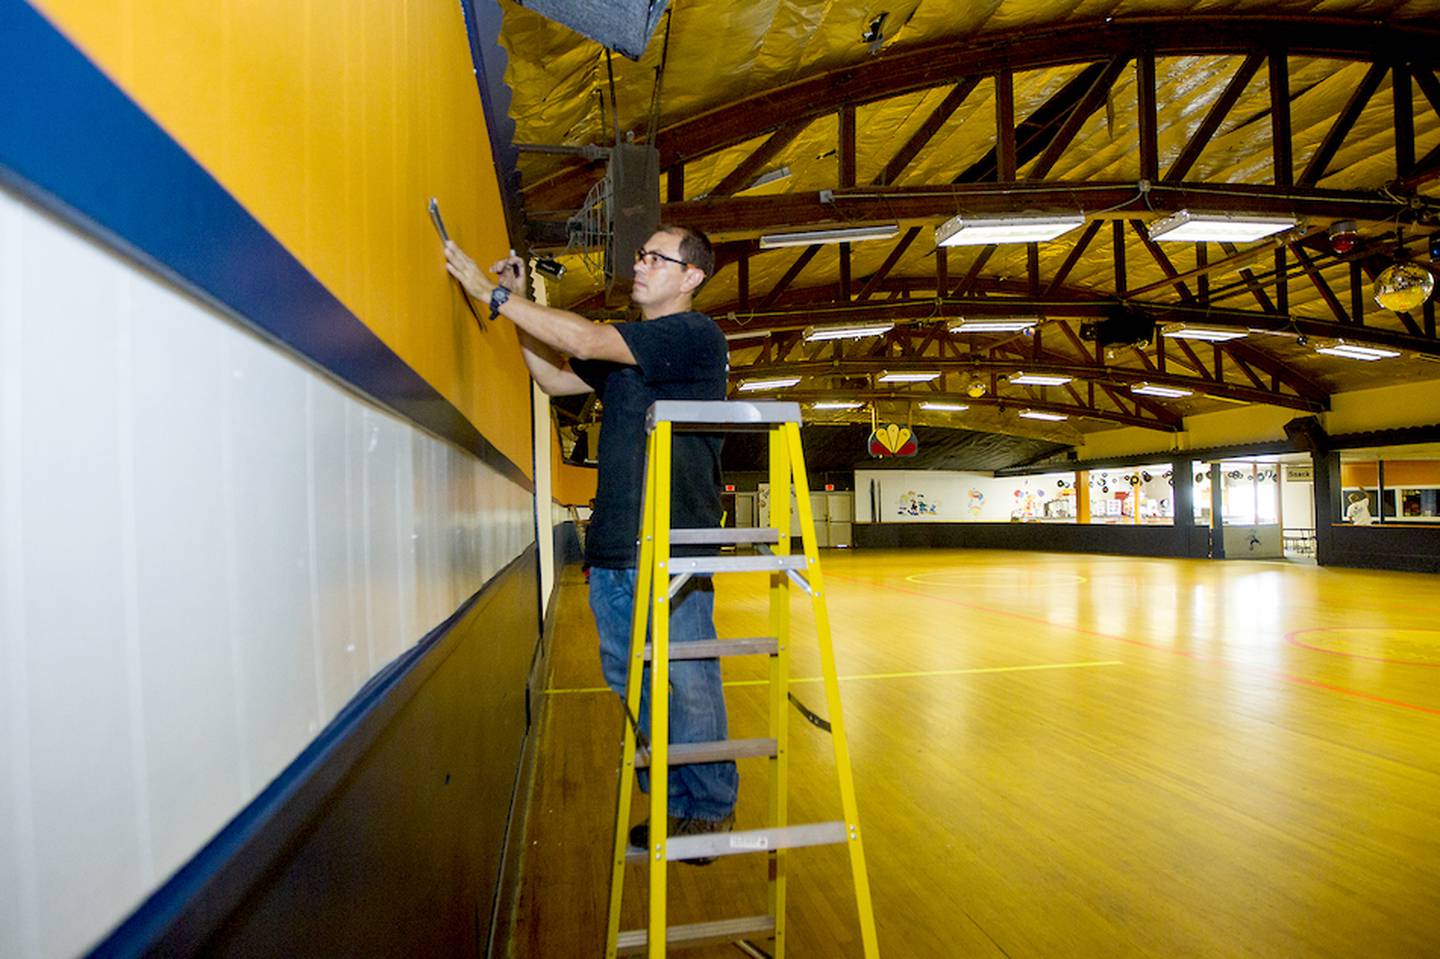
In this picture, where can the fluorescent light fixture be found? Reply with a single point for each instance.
(922, 377)
(1210, 334)
(1167, 392)
(973, 231)
(852, 234)
(944, 407)
(769, 176)
(747, 335)
(994, 324)
(1217, 227)
(1352, 352)
(1042, 415)
(1039, 379)
(777, 383)
(849, 331)
(836, 405)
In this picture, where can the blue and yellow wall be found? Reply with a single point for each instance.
(262, 480)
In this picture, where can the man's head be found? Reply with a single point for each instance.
(672, 265)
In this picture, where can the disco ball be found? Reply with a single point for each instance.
(1403, 287)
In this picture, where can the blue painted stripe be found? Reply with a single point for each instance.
(72, 142)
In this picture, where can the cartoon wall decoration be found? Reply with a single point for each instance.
(913, 503)
(975, 501)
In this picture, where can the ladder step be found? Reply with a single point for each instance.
(724, 536)
(710, 752)
(736, 564)
(632, 942)
(743, 841)
(712, 648)
(722, 415)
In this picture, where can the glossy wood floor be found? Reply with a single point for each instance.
(1056, 755)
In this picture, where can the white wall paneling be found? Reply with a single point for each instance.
(207, 548)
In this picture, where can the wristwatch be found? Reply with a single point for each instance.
(498, 296)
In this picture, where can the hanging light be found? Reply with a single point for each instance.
(1403, 287)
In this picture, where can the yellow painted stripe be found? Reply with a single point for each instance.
(796, 681)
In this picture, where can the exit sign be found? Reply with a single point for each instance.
(729, 487)
(829, 487)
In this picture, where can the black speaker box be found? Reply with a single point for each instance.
(624, 26)
(635, 210)
(1307, 434)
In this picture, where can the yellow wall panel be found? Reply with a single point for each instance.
(570, 485)
(333, 124)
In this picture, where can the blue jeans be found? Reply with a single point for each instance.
(697, 702)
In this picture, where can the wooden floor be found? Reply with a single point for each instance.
(1055, 755)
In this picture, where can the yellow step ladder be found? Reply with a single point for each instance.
(659, 578)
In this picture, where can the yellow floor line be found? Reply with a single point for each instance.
(797, 680)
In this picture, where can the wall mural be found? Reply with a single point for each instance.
(912, 503)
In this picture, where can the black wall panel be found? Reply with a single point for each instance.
(1068, 538)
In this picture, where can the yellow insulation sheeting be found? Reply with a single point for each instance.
(333, 125)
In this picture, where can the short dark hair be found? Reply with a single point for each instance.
(695, 247)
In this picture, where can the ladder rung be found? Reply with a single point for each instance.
(724, 536)
(736, 564)
(713, 648)
(632, 942)
(722, 415)
(682, 754)
(744, 841)
(754, 840)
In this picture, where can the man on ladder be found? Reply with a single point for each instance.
(673, 353)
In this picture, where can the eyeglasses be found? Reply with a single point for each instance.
(652, 258)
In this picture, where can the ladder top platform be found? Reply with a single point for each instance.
(726, 415)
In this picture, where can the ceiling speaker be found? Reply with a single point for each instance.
(624, 26)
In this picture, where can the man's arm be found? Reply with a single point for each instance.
(568, 333)
(549, 369)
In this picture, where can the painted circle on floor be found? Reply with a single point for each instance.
(1409, 647)
(994, 578)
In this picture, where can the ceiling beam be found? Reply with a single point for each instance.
(740, 216)
(921, 310)
(1216, 116)
(896, 72)
(1081, 370)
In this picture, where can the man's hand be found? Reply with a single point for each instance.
(511, 272)
(476, 283)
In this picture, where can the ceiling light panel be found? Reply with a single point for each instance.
(994, 324)
(836, 405)
(849, 331)
(1039, 379)
(1187, 227)
(856, 234)
(775, 383)
(1165, 392)
(1352, 352)
(1179, 331)
(971, 231)
(908, 377)
(945, 407)
(1042, 415)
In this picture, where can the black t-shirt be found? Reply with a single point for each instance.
(682, 356)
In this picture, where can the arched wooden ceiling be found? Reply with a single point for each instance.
(1034, 107)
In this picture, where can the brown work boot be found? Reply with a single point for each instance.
(696, 827)
(675, 826)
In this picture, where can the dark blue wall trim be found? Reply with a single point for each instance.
(392, 820)
(75, 144)
(483, 22)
